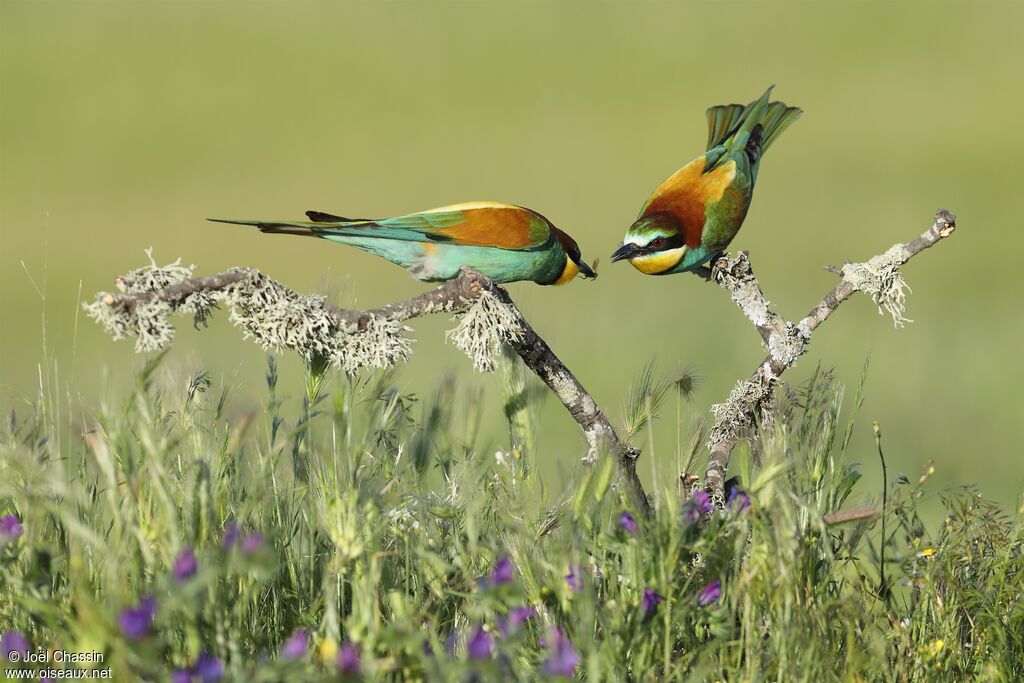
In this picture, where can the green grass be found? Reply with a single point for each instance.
(380, 513)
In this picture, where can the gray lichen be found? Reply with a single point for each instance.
(482, 330)
(748, 401)
(880, 278)
(272, 315)
(786, 348)
(147, 321)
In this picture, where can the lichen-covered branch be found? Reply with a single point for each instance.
(277, 318)
(748, 404)
(598, 431)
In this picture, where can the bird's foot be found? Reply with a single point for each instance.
(477, 281)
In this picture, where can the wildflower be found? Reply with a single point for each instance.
(518, 616)
(480, 645)
(185, 565)
(563, 659)
(502, 572)
(10, 529)
(230, 536)
(627, 522)
(181, 676)
(13, 641)
(327, 649)
(932, 649)
(650, 601)
(252, 543)
(738, 500)
(208, 668)
(136, 620)
(698, 506)
(348, 659)
(926, 552)
(296, 645)
(574, 578)
(710, 593)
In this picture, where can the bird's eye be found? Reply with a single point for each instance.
(658, 242)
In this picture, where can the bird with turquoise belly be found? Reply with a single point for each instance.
(694, 214)
(504, 242)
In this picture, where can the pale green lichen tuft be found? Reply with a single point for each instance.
(748, 404)
(272, 315)
(380, 345)
(483, 329)
(881, 279)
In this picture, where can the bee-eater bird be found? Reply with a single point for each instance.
(697, 211)
(506, 243)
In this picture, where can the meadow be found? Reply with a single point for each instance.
(211, 512)
(371, 536)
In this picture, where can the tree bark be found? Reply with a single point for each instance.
(786, 341)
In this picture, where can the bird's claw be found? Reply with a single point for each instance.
(478, 282)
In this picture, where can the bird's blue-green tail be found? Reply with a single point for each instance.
(753, 127)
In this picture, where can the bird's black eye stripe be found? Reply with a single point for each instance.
(662, 243)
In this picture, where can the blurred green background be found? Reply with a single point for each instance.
(124, 125)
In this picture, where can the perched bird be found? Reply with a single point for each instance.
(504, 242)
(697, 211)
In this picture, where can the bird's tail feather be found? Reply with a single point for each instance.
(277, 227)
(734, 124)
(321, 225)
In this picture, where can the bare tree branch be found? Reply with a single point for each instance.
(748, 403)
(177, 290)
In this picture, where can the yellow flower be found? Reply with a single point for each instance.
(933, 649)
(327, 650)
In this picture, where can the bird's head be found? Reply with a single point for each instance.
(653, 245)
(574, 263)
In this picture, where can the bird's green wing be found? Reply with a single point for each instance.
(484, 224)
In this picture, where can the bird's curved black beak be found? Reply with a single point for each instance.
(585, 270)
(627, 250)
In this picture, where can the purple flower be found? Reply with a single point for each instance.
(230, 536)
(136, 620)
(516, 617)
(348, 659)
(181, 676)
(698, 506)
(650, 601)
(13, 641)
(710, 593)
(502, 572)
(574, 578)
(738, 500)
(185, 565)
(252, 543)
(296, 645)
(480, 645)
(208, 668)
(627, 522)
(10, 529)
(563, 659)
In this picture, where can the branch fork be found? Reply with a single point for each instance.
(749, 403)
(277, 317)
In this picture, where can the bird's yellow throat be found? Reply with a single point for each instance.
(571, 271)
(652, 264)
